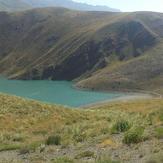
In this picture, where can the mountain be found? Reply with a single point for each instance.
(69, 4)
(99, 50)
(13, 5)
(18, 5)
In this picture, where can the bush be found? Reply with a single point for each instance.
(29, 148)
(134, 136)
(159, 132)
(18, 138)
(53, 140)
(120, 126)
(79, 135)
(161, 115)
(24, 151)
(85, 154)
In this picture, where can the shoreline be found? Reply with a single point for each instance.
(127, 91)
(126, 95)
(134, 96)
(130, 95)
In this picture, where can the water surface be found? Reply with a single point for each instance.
(58, 92)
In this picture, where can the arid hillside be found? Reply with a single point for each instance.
(128, 132)
(119, 50)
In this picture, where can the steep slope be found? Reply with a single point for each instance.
(143, 73)
(13, 5)
(61, 44)
(45, 39)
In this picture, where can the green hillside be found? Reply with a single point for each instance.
(123, 131)
(119, 50)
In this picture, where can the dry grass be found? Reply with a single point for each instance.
(26, 125)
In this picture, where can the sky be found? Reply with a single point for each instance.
(129, 5)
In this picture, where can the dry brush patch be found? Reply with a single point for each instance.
(28, 126)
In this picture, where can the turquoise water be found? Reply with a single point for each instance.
(58, 92)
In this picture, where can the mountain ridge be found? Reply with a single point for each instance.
(13, 5)
(20, 5)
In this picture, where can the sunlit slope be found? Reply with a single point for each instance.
(30, 130)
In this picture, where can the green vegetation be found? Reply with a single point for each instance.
(135, 135)
(120, 126)
(88, 154)
(63, 160)
(159, 132)
(7, 147)
(54, 140)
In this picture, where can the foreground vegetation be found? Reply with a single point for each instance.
(125, 131)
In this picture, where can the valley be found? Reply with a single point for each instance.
(80, 86)
(98, 50)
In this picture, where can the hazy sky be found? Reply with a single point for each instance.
(129, 5)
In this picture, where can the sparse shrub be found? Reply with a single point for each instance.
(41, 132)
(24, 151)
(158, 158)
(159, 132)
(78, 135)
(88, 154)
(109, 119)
(8, 147)
(104, 130)
(29, 148)
(120, 126)
(53, 140)
(150, 119)
(161, 115)
(63, 160)
(18, 138)
(105, 159)
(134, 135)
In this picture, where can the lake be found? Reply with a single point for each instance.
(58, 92)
